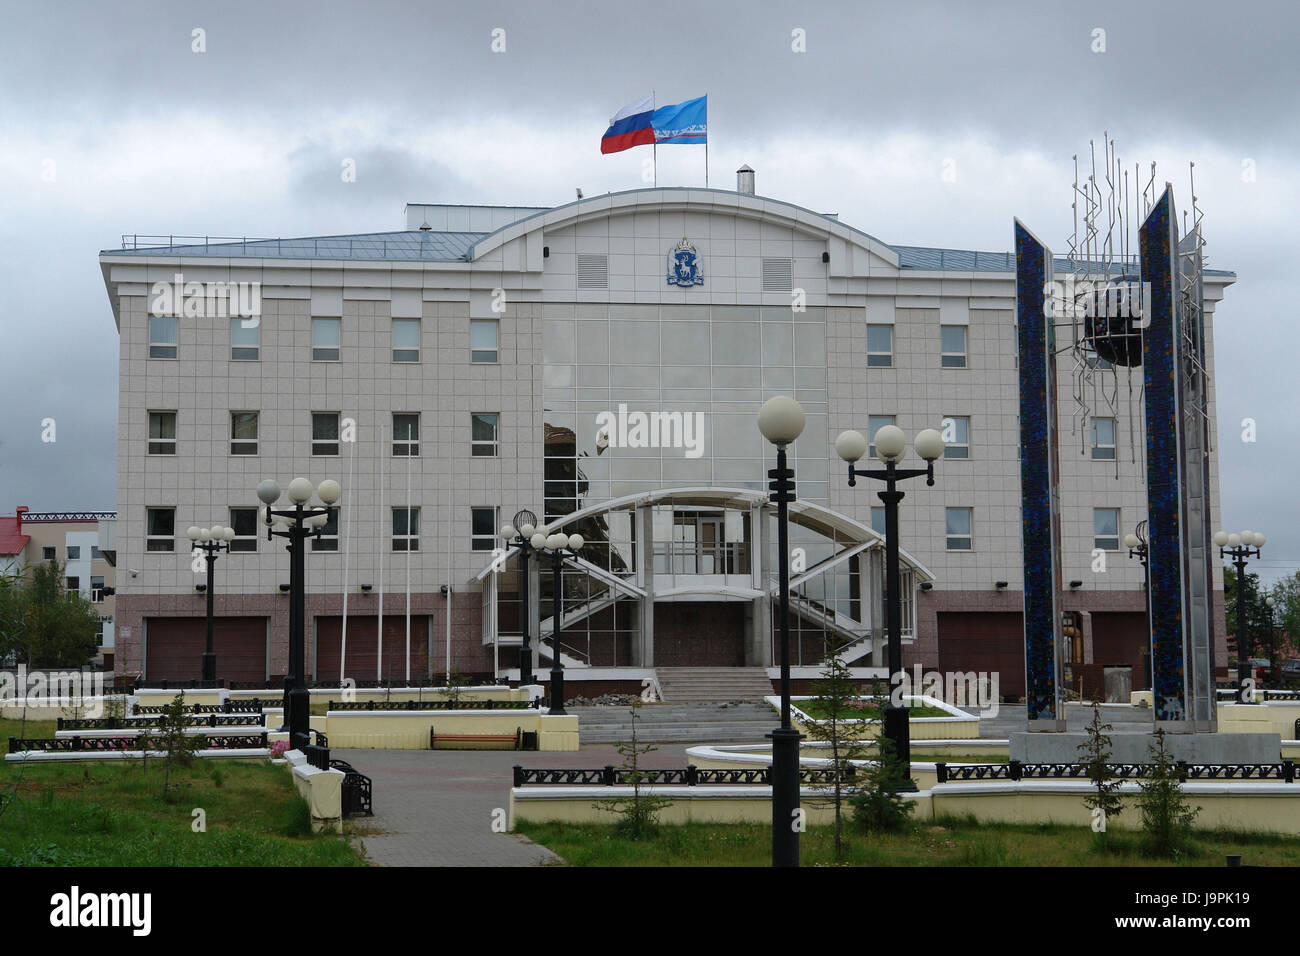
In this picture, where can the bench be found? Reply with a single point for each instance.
(519, 739)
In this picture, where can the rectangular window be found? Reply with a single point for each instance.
(99, 633)
(880, 346)
(244, 346)
(162, 336)
(244, 521)
(406, 435)
(958, 529)
(406, 340)
(483, 525)
(1094, 360)
(956, 435)
(329, 539)
(243, 433)
(162, 433)
(483, 336)
(406, 529)
(74, 585)
(74, 552)
(874, 424)
(952, 346)
(1105, 528)
(97, 589)
(325, 433)
(160, 529)
(325, 339)
(95, 553)
(1103, 439)
(483, 432)
(47, 554)
(878, 520)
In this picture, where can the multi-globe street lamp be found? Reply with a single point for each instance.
(559, 546)
(891, 446)
(1239, 547)
(781, 421)
(211, 541)
(519, 533)
(300, 522)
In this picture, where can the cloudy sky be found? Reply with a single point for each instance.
(112, 122)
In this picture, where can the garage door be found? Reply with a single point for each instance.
(174, 648)
(984, 643)
(363, 647)
(1119, 639)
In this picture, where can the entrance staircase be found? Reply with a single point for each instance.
(667, 723)
(697, 684)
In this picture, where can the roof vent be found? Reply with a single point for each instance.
(745, 180)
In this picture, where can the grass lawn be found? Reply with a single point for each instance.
(114, 814)
(32, 728)
(871, 708)
(932, 843)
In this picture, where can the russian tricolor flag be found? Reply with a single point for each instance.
(630, 126)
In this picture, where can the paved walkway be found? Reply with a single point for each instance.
(434, 808)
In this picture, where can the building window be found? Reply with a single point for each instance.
(95, 553)
(874, 424)
(406, 340)
(1105, 528)
(406, 435)
(329, 539)
(243, 433)
(878, 519)
(162, 433)
(74, 552)
(162, 336)
(244, 340)
(97, 589)
(244, 521)
(160, 529)
(1093, 360)
(48, 554)
(958, 529)
(952, 346)
(1103, 439)
(483, 335)
(325, 339)
(74, 586)
(956, 435)
(406, 529)
(483, 432)
(483, 525)
(99, 633)
(880, 346)
(325, 433)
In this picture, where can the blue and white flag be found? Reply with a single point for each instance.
(682, 122)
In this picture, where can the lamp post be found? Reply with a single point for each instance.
(212, 541)
(891, 445)
(300, 522)
(519, 533)
(557, 545)
(1238, 547)
(1137, 544)
(781, 421)
(1271, 603)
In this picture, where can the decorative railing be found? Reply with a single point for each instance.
(691, 776)
(31, 516)
(357, 789)
(151, 720)
(193, 684)
(1015, 770)
(109, 744)
(433, 705)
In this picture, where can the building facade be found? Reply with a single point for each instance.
(600, 364)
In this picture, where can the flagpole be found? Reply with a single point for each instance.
(654, 146)
(706, 162)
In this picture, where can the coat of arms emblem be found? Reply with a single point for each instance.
(684, 265)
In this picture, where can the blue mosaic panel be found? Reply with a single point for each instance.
(1158, 242)
(1039, 476)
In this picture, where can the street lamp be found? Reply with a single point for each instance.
(781, 421)
(891, 446)
(1138, 547)
(211, 541)
(1238, 547)
(1273, 628)
(519, 533)
(299, 523)
(558, 546)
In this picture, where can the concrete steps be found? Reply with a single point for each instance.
(690, 684)
(677, 723)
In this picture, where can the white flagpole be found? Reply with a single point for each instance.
(654, 145)
(449, 540)
(379, 632)
(347, 555)
(409, 469)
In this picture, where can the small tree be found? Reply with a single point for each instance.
(640, 812)
(1167, 816)
(455, 684)
(840, 728)
(879, 806)
(172, 738)
(1105, 802)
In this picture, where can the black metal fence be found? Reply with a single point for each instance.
(250, 706)
(151, 720)
(691, 776)
(433, 705)
(109, 744)
(1016, 770)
